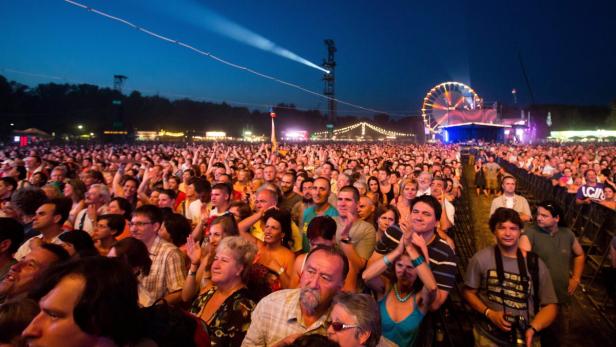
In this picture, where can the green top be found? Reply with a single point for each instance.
(556, 252)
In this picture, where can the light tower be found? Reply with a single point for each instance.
(118, 84)
(330, 79)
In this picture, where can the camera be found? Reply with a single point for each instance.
(519, 325)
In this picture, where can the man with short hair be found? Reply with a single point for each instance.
(289, 197)
(167, 273)
(320, 197)
(354, 236)
(48, 221)
(351, 230)
(281, 317)
(510, 199)
(33, 165)
(24, 274)
(269, 174)
(437, 190)
(426, 212)
(26, 201)
(96, 200)
(366, 209)
(58, 174)
(423, 183)
(90, 302)
(326, 170)
(220, 199)
(591, 191)
(297, 212)
(7, 187)
(512, 290)
(558, 247)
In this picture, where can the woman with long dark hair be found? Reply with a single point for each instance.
(374, 191)
(275, 249)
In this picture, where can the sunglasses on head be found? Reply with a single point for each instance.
(339, 326)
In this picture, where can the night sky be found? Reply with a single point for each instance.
(390, 53)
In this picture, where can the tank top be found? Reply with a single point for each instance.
(404, 332)
(390, 194)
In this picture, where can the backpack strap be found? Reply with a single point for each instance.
(533, 268)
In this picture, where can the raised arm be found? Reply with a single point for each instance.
(116, 184)
(372, 274)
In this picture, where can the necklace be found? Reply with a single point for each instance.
(401, 299)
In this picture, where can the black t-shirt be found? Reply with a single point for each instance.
(442, 258)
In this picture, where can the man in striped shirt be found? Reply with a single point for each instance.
(426, 211)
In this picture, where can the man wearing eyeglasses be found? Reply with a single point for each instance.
(281, 317)
(558, 247)
(167, 274)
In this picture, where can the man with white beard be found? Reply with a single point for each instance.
(285, 315)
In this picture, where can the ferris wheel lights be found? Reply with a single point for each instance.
(439, 104)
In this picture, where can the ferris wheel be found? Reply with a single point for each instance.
(446, 100)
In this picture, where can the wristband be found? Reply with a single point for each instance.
(418, 261)
(485, 312)
(533, 328)
(192, 273)
(387, 262)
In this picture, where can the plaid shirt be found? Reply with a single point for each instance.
(277, 316)
(167, 272)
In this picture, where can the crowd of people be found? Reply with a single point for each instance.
(302, 245)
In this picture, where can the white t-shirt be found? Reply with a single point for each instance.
(193, 212)
(26, 247)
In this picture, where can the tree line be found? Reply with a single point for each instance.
(60, 108)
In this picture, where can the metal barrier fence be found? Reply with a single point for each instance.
(593, 224)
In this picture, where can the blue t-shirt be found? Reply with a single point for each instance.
(311, 212)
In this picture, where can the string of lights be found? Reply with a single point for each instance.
(214, 57)
(377, 129)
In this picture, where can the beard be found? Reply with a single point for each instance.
(309, 299)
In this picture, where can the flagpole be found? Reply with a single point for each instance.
(274, 143)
